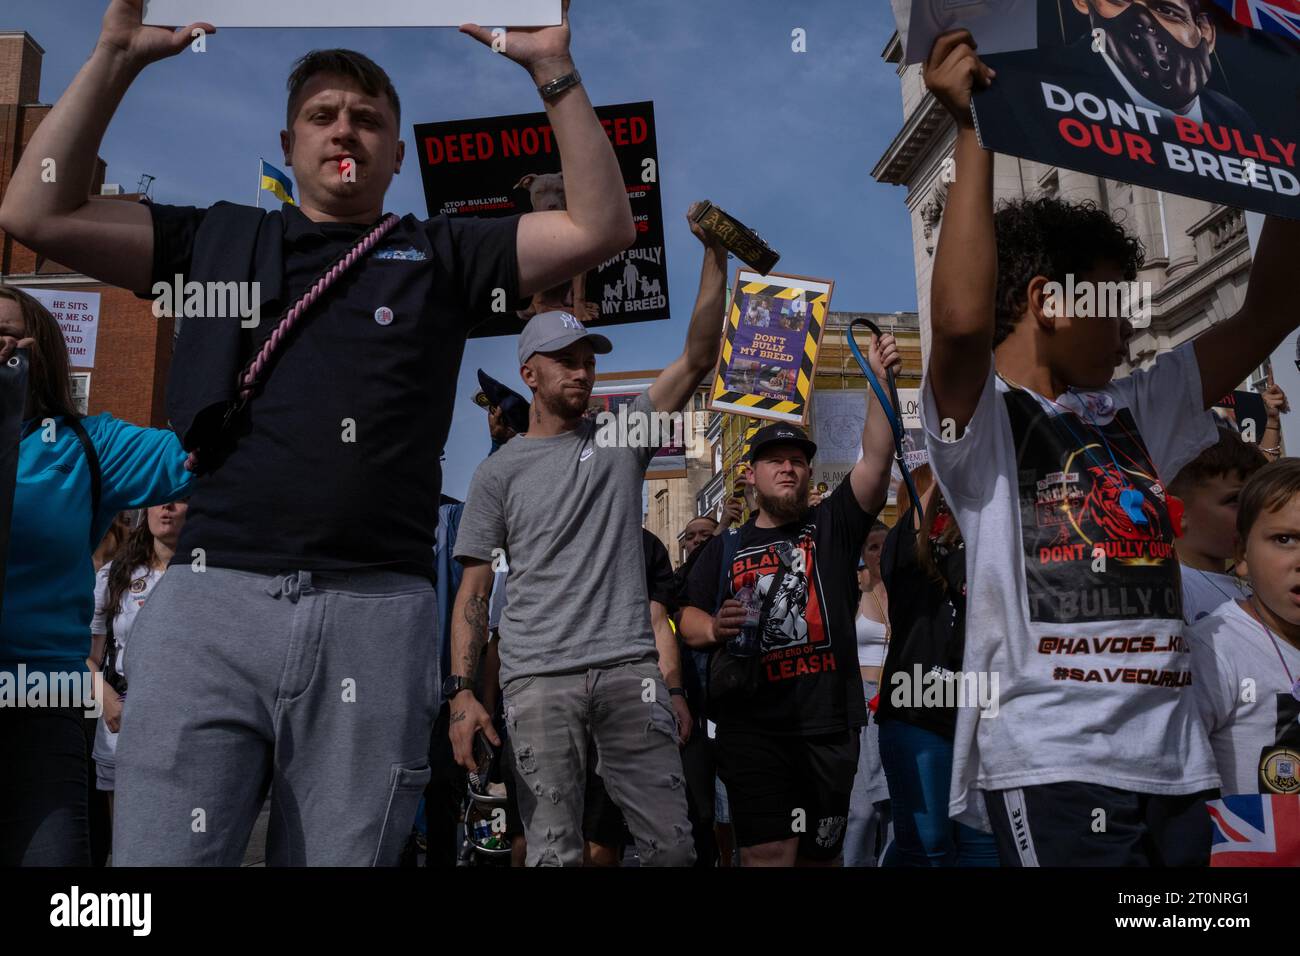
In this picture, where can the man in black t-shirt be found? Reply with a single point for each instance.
(788, 735)
(312, 527)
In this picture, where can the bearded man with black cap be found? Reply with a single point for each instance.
(775, 601)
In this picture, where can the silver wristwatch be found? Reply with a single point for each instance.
(549, 91)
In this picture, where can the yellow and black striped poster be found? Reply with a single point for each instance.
(769, 351)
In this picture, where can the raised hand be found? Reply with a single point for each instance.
(531, 47)
(733, 513)
(884, 355)
(953, 72)
(1275, 403)
(124, 32)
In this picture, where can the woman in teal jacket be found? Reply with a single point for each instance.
(74, 475)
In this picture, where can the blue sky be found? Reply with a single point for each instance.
(786, 141)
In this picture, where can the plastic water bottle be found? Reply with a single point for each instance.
(750, 639)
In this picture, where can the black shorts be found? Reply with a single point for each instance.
(1086, 824)
(782, 787)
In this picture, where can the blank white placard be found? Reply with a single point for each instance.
(352, 13)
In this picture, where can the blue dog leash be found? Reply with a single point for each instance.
(888, 404)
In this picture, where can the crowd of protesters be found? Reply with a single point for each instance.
(1057, 624)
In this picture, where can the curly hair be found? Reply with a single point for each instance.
(1053, 238)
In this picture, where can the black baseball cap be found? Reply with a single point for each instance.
(514, 407)
(781, 435)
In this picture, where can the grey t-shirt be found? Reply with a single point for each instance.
(567, 513)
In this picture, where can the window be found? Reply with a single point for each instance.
(81, 391)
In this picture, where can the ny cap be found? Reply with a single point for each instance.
(552, 331)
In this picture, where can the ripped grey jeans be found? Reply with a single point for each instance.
(550, 719)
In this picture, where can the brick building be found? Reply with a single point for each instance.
(127, 374)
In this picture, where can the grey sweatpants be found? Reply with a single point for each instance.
(320, 685)
(624, 709)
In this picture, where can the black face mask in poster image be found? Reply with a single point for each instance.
(1157, 64)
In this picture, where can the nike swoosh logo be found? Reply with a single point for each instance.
(586, 453)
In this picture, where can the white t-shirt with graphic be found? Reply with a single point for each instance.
(1073, 598)
(1204, 591)
(1243, 689)
(142, 585)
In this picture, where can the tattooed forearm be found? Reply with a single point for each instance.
(476, 616)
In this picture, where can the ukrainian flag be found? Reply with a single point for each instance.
(277, 183)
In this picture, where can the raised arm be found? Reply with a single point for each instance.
(964, 282)
(672, 389)
(870, 476)
(556, 246)
(1231, 350)
(48, 206)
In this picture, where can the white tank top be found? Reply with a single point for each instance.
(871, 642)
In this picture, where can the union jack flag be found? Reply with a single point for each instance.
(1253, 829)
(1272, 16)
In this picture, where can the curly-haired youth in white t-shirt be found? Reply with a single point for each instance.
(1074, 605)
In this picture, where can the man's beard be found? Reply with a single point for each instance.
(565, 404)
(784, 508)
(1159, 66)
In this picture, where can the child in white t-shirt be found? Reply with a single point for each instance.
(1208, 488)
(1246, 653)
(1055, 471)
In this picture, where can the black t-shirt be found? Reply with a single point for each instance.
(659, 581)
(928, 624)
(294, 492)
(809, 681)
(693, 661)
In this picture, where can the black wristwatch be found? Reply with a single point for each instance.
(676, 692)
(453, 684)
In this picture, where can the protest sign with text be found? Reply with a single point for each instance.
(77, 313)
(507, 165)
(1177, 97)
(770, 345)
